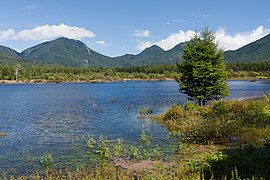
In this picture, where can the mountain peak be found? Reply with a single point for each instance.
(153, 48)
(67, 52)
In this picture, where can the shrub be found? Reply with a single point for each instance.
(175, 113)
(224, 122)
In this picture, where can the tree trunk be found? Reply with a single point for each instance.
(16, 73)
(204, 101)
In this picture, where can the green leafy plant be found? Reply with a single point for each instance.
(103, 149)
(146, 138)
(47, 160)
(91, 143)
(119, 149)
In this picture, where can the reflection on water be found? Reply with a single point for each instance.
(58, 117)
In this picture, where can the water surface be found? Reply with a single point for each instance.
(57, 118)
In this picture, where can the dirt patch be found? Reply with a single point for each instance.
(139, 165)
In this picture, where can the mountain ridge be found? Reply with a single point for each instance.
(74, 53)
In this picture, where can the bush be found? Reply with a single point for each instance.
(175, 113)
(225, 122)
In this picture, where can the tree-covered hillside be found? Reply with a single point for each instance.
(74, 53)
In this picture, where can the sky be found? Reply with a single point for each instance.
(118, 27)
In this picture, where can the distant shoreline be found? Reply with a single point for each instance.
(40, 81)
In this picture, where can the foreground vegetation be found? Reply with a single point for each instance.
(223, 140)
(235, 132)
(59, 74)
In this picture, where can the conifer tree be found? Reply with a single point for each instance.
(203, 72)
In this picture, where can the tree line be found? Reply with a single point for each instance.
(8, 72)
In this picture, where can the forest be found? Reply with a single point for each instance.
(160, 72)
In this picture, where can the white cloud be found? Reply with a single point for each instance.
(100, 42)
(46, 32)
(143, 44)
(31, 7)
(168, 42)
(8, 34)
(142, 33)
(225, 40)
(232, 42)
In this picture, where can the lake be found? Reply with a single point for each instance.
(58, 118)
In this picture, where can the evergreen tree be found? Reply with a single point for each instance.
(203, 72)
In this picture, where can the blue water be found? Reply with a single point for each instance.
(57, 118)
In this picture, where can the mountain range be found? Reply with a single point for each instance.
(74, 53)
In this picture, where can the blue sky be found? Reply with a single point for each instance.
(118, 27)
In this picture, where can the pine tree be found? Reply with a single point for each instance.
(203, 72)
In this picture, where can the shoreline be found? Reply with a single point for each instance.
(42, 81)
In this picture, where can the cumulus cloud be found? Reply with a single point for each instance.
(224, 39)
(232, 42)
(46, 32)
(168, 42)
(143, 44)
(8, 34)
(142, 33)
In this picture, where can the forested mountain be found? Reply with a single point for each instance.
(9, 52)
(256, 51)
(67, 52)
(74, 53)
(153, 55)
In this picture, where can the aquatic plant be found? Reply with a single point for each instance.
(2, 134)
(145, 112)
(47, 160)
(146, 138)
